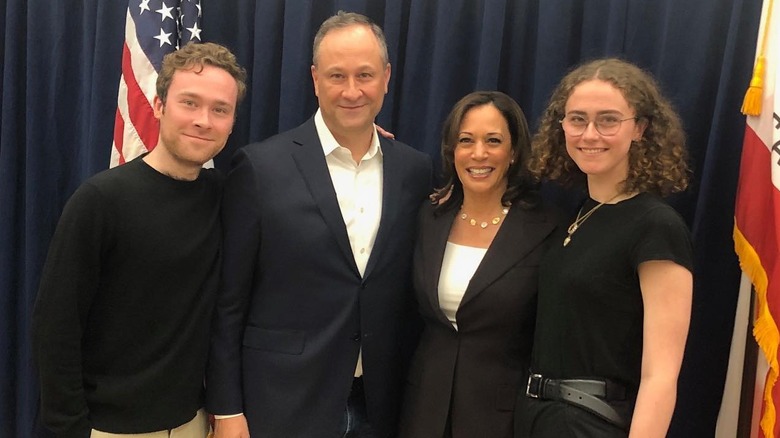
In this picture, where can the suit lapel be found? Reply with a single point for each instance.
(434, 242)
(310, 159)
(521, 232)
(391, 191)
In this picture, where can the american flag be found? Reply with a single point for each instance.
(153, 28)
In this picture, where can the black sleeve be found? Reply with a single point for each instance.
(664, 236)
(69, 282)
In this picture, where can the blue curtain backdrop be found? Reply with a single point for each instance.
(60, 67)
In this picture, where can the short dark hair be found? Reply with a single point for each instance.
(346, 19)
(521, 190)
(195, 56)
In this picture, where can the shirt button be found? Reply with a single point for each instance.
(361, 209)
(362, 250)
(356, 336)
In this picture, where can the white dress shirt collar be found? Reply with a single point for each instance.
(329, 143)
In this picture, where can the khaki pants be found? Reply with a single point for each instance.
(198, 427)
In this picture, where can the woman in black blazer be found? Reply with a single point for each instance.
(475, 276)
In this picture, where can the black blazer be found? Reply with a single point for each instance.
(293, 309)
(473, 375)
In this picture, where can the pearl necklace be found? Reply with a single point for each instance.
(577, 222)
(473, 222)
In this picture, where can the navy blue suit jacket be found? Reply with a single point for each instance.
(293, 310)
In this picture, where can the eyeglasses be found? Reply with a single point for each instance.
(606, 124)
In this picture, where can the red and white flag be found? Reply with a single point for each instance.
(757, 213)
(153, 29)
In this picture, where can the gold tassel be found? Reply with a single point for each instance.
(751, 106)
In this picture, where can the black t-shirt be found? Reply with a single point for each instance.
(590, 313)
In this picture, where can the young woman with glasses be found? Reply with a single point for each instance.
(615, 291)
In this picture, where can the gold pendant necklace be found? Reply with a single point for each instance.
(577, 222)
(473, 222)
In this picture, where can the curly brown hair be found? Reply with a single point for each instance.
(195, 56)
(657, 163)
(522, 189)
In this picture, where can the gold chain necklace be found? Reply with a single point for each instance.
(577, 222)
(473, 222)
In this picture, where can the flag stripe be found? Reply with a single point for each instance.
(758, 200)
(143, 70)
(119, 129)
(140, 111)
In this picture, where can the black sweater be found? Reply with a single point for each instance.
(120, 326)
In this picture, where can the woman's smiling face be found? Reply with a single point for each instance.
(597, 155)
(483, 152)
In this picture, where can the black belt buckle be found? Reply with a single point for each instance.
(535, 386)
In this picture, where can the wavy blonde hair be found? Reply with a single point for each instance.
(657, 163)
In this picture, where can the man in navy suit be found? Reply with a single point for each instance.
(315, 321)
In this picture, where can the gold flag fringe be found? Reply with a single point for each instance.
(764, 328)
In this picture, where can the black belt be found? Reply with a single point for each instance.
(590, 395)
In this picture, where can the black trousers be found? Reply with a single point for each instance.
(556, 419)
(355, 423)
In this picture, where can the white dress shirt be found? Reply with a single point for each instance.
(459, 265)
(358, 188)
